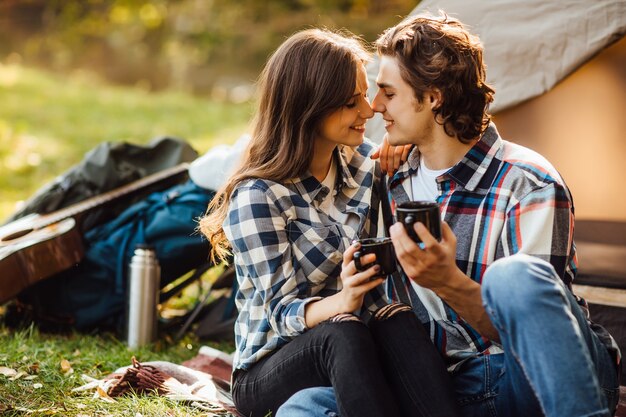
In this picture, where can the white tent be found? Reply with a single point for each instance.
(579, 124)
(530, 45)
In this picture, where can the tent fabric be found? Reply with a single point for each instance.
(530, 45)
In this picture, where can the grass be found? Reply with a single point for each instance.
(45, 390)
(47, 123)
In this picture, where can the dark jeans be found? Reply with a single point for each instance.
(390, 368)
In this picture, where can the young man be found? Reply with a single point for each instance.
(495, 292)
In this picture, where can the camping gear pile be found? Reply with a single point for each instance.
(162, 213)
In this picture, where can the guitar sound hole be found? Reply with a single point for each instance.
(16, 235)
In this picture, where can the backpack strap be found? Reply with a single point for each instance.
(396, 277)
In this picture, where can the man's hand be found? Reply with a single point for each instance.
(391, 157)
(432, 267)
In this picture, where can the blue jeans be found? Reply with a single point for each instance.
(313, 402)
(553, 364)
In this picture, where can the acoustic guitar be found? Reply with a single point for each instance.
(38, 246)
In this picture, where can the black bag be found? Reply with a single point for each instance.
(108, 166)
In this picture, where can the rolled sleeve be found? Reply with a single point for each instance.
(293, 315)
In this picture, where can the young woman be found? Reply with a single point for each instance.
(304, 191)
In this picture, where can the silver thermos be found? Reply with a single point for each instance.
(143, 293)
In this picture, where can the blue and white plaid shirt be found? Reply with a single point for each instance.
(289, 253)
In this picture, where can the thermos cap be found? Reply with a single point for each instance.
(144, 246)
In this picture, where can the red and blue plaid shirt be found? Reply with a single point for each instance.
(501, 199)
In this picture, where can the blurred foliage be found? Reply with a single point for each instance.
(163, 50)
(48, 122)
(186, 44)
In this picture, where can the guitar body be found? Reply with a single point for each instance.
(28, 255)
(36, 247)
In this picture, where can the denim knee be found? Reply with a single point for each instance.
(391, 310)
(316, 401)
(342, 333)
(516, 281)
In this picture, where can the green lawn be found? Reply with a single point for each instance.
(44, 387)
(47, 123)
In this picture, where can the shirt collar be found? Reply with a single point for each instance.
(470, 171)
(473, 168)
(407, 169)
(347, 160)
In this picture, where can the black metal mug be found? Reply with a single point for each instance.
(425, 212)
(382, 247)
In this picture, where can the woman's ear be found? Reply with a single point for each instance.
(435, 99)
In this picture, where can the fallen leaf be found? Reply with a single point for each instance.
(80, 406)
(66, 367)
(76, 353)
(7, 371)
(103, 395)
(33, 368)
(17, 375)
(37, 385)
(30, 377)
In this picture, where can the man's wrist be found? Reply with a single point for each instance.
(454, 285)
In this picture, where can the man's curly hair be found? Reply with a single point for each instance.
(438, 52)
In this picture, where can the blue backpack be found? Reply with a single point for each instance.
(93, 293)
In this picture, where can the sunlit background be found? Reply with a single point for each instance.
(75, 73)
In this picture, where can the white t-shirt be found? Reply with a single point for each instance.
(424, 183)
(424, 188)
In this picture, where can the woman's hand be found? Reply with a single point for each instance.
(356, 284)
(391, 157)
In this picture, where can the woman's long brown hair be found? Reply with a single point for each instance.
(312, 74)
